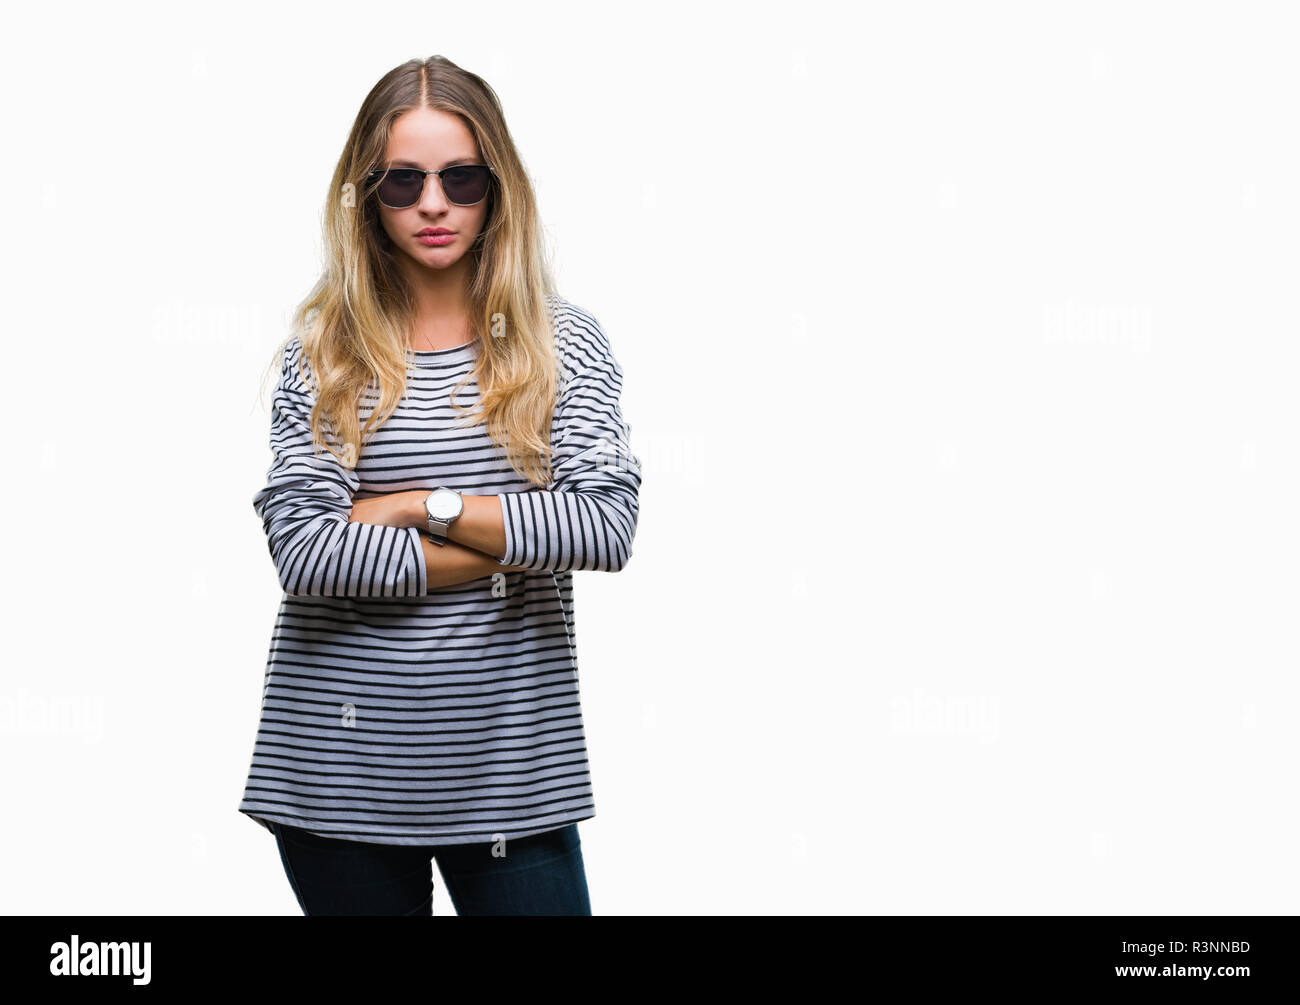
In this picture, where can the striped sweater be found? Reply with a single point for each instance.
(396, 714)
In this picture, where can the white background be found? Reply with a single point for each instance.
(959, 345)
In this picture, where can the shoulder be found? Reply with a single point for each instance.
(295, 370)
(579, 338)
(294, 391)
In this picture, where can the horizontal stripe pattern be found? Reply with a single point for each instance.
(396, 714)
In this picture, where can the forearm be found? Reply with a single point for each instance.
(559, 531)
(540, 530)
(546, 530)
(316, 555)
(457, 560)
(481, 526)
(451, 564)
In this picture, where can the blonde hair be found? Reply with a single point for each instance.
(355, 321)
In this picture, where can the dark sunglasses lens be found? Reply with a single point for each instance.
(465, 185)
(400, 188)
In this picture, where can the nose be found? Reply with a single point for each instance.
(432, 198)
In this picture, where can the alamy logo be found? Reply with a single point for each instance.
(98, 959)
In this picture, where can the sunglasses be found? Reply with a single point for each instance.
(462, 184)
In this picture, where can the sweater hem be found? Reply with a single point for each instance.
(340, 832)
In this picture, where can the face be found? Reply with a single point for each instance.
(431, 139)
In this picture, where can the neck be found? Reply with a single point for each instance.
(441, 318)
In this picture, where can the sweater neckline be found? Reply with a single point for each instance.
(442, 357)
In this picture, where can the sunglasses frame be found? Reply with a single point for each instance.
(378, 174)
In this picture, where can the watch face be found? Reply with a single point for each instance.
(444, 504)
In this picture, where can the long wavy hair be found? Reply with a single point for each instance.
(355, 322)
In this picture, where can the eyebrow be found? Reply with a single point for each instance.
(454, 160)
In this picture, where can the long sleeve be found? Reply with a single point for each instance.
(587, 519)
(305, 507)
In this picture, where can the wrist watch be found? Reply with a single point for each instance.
(442, 506)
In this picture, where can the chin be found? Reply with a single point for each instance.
(435, 261)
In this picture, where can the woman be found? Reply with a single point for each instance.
(447, 448)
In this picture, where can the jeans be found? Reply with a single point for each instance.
(541, 874)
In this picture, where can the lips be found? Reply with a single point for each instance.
(434, 232)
